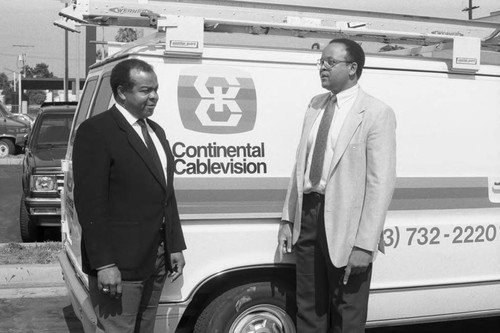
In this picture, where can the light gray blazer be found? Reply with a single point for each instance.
(361, 179)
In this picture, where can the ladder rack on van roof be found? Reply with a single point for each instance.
(316, 20)
(313, 18)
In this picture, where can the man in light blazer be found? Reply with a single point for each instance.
(124, 196)
(338, 195)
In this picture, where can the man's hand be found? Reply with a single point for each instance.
(359, 260)
(109, 281)
(178, 263)
(285, 237)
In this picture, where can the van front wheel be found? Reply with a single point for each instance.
(252, 308)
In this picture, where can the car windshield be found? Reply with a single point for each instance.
(53, 130)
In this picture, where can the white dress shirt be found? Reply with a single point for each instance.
(132, 120)
(345, 101)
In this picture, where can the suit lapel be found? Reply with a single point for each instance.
(138, 145)
(351, 123)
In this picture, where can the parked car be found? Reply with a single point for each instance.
(13, 131)
(22, 117)
(42, 178)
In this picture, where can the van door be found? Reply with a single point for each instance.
(96, 98)
(70, 228)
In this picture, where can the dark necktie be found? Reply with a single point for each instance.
(151, 146)
(318, 156)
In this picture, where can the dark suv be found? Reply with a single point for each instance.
(42, 176)
(13, 129)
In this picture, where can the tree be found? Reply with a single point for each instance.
(40, 70)
(6, 87)
(101, 53)
(36, 97)
(127, 35)
(390, 47)
(4, 81)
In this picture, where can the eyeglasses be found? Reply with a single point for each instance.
(329, 63)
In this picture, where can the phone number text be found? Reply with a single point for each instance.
(414, 236)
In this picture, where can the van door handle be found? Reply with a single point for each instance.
(494, 189)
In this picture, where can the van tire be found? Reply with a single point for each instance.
(250, 305)
(7, 147)
(29, 230)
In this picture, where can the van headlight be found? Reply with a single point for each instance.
(44, 183)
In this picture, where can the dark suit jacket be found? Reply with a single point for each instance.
(121, 198)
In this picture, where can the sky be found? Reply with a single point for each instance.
(26, 26)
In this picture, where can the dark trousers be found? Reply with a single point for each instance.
(324, 304)
(136, 310)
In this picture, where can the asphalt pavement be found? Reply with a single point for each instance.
(10, 197)
(33, 298)
(34, 315)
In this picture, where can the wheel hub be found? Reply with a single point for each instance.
(263, 319)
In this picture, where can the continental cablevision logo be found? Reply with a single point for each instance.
(217, 100)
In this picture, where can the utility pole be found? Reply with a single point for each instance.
(22, 73)
(470, 9)
(66, 97)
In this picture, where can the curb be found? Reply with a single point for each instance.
(32, 275)
(11, 161)
(36, 292)
(31, 280)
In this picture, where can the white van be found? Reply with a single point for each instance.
(233, 116)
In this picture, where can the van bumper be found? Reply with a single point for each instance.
(79, 296)
(43, 206)
(44, 212)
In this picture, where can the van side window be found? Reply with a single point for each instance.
(104, 98)
(84, 105)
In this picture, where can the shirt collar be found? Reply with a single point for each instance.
(131, 119)
(347, 95)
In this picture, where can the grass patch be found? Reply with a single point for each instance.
(38, 253)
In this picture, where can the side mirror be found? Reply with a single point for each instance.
(25, 142)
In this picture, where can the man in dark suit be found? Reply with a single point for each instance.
(124, 197)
